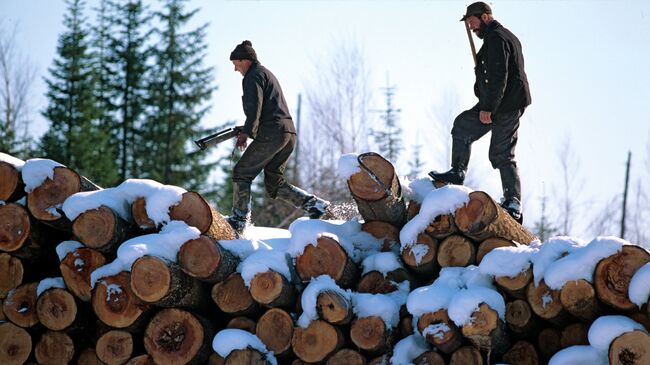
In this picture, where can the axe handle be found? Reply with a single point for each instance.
(471, 40)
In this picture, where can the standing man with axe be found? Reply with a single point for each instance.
(502, 90)
(269, 124)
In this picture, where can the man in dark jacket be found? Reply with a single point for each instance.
(269, 124)
(502, 89)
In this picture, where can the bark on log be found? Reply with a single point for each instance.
(54, 348)
(521, 353)
(334, 308)
(420, 257)
(76, 268)
(102, 229)
(272, 289)
(466, 355)
(487, 331)
(51, 195)
(574, 334)
(549, 341)
(383, 231)
(15, 344)
(375, 282)
(114, 347)
(89, 357)
(347, 357)
(115, 304)
(630, 348)
(327, 257)
(579, 298)
(20, 305)
(429, 358)
(57, 310)
(442, 332)
(176, 336)
(371, 334)
(545, 302)
(11, 273)
(232, 296)
(613, 274)
(486, 246)
(516, 287)
(196, 212)
(275, 330)
(12, 186)
(316, 342)
(377, 191)
(520, 318)
(242, 323)
(162, 283)
(482, 218)
(456, 250)
(205, 259)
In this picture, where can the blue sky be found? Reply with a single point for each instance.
(587, 63)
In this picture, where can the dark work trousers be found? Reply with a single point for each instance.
(268, 153)
(468, 128)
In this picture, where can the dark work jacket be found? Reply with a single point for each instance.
(264, 105)
(501, 84)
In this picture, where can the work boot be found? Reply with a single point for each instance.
(513, 207)
(239, 224)
(454, 176)
(314, 206)
(241, 207)
(460, 153)
(511, 191)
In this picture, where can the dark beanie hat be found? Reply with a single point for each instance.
(244, 51)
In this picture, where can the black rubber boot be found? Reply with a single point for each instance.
(460, 153)
(241, 203)
(313, 205)
(511, 191)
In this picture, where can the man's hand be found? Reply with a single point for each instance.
(242, 139)
(485, 117)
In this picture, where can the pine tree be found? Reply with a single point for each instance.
(416, 163)
(389, 138)
(74, 137)
(544, 229)
(180, 86)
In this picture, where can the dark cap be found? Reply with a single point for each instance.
(244, 51)
(477, 9)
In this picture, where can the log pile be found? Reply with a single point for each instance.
(164, 311)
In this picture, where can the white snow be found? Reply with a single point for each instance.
(605, 329)
(230, 339)
(550, 251)
(444, 200)
(15, 162)
(407, 349)
(159, 198)
(467, 301)
(377, 305)
(263, 261)
(578, 355)
(81, 202)
(36, 171)
(164, 244)
(49, 283)
(310, 296)
(507, 261)
(639, 288)
(348, 165)
(65, 247)
(437, 330)
(417, 189)
(581, 263)
(383, 262)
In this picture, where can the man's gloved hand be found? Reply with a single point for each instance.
(242, 141)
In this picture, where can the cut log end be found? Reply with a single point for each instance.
(631, 348)
(346, 356)
(114, 303)
(613, 275)
(15, 227)
(150, 278)
(115, 347)
(545, 302)
(272, 289)
(486, 330)
(245, 356)
(232, 296)
(11, 184)
(456, 250)
(56, 309)
(275, 330)
(53, 192)
(421, 256)
(466, 355)
(478, 213)
(96, 227)
(15, 344)
(11, 273)
(363, 186)
(326, 257)
(316, 342)
(174, 336)
(140, 216)
(440, 331)
(76, 268)
(370, 334)
(334, 308)
(486, 246)
(20, 305)
(206, 260)
(523, 353)
(383, 231)
(54, 348)
(578, 297)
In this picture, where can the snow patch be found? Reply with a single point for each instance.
(36, 171)
(231, 339)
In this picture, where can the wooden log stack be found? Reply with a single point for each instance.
(164, 312)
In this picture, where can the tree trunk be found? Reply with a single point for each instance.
(316, 342)
(466, 355)
(242, 323)
(516, 286)
(420, 257)
(76, 268)
(521, 353)
(205, 259)
(11, 273)
(176, 336)
(486, 246)
(327, 257)
(246, 356)
(374, 282)
(442, 332)
(272, 289)
(377, 191)
(115, 304)
(232, 296)
(347, 357)
(115, 347)
(12, 186)
(613, 274)
(482, 218)
(15, 344)
(334, 308)
(275, 330)
(20, 305)
(545, 302)
(630, 348)
(487, 331)
(574, 334)
(371, 334)
(383, 231)
(57, 310)
(520, 319)
(45, 201)
(54, 348)
(196, 212)
(456, 250)
(102, 229)
(549, 341)
(429, 358)
(578, 297)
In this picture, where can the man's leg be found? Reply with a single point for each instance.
(502, 156)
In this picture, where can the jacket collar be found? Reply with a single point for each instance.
(492, 26)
